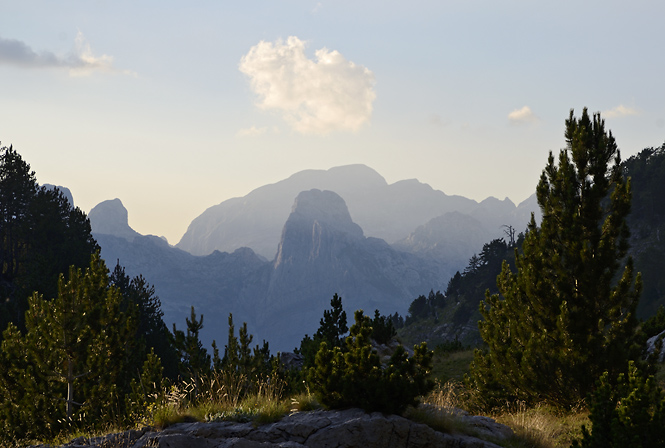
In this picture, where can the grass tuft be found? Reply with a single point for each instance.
(542, 426)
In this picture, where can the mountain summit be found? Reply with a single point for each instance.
(384, 211)
(111, 218)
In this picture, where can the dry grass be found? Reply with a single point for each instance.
(440, 408)
(543, 426)
(222, 396)
(534, 427)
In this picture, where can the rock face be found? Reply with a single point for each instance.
(389, 212)
(656, 342)
(110, 218)
(319, 429)
(321, 252)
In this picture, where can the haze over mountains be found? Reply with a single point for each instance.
(387, 211)
(275, 257)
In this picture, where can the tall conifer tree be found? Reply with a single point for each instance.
(568, 313)
(72, 363)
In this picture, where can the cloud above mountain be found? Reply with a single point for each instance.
(314, 96)
(80, 62)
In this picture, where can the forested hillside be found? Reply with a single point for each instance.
(41, 236)
(647, 224)
(455, 313)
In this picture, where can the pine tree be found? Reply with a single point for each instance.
(356, 378)
(333, 323)
(72, 363)
(627, 413)
(152, 333)
(563, 318)
(195, 360)
(332, 328)
(41, 236)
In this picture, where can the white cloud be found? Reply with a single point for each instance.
(522, 116)
(251, 131)
(314, 96)
(620, 111)
(80, 62)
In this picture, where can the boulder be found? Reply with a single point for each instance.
(319, 429)
(654, 343)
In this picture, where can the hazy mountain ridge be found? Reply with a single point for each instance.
(321, 252)
(321, 249)
(390, 212)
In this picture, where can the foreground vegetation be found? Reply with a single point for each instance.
(562, 358)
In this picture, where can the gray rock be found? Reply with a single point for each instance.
(319, 429)
(111, 218)
(656, 342)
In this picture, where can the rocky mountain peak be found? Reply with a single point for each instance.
(324, 207)
(317, 218)
(111, 218)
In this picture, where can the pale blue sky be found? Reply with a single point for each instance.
(146, 100)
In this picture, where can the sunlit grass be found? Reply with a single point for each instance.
(533, 427)
(543, 426)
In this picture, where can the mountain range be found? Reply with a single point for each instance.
(275, 257)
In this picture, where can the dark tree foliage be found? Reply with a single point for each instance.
(454, 287)
(655, 324)
(647, 224)
(397, 320)
(73, 364)
(466, 290)
(418, 309)
(628, 413)
(647, 173)
(240, 358)
(41, 236)
(152, 333)
(333, 324)
(562, 318)
(332, 328)
(195, 362)
(382, 328)
(356, 377)
(425, 307)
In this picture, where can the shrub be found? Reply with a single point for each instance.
(356, 377)
(632, 413)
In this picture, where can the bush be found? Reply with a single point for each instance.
(356, 377)
(630, 414)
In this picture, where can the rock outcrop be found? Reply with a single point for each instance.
(111, 218)
(656, 343)
(318, 429)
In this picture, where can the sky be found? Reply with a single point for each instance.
(175, 106)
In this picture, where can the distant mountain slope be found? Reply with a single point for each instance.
(321, 252)
(452, 238)
(384, 211)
